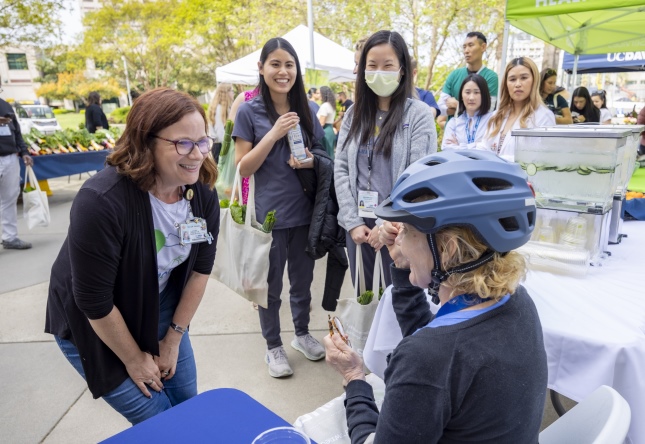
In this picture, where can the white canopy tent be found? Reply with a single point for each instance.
(329, 56)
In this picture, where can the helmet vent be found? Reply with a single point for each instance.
(433, 163)
(509, 223)
(492, 184)
(420, 195)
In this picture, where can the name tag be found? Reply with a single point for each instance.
(194, 231)
(367, 203)
(4, 130)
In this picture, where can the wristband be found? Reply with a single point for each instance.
(177, 328)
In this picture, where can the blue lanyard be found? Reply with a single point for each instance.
(471, 138)
(459, 303)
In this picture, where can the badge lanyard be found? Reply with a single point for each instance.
(459, 303)
(370, 157)
(469, 136)
(193, 230)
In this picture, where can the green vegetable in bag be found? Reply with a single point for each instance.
(269, 222)
(226, 141)
(238, 212)
(224, 203)
(366, 297)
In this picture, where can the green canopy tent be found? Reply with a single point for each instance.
(579, 26)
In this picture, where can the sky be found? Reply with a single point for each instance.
(72, 25)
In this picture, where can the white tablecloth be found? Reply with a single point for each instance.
(594, 327)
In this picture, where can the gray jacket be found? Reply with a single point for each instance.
(415, 138)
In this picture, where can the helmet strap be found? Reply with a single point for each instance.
(438, 276)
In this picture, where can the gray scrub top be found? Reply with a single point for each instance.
(277, 186)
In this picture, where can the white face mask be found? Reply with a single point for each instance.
(383, 83)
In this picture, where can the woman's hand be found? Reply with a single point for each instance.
(389, 236)
(168, 354)
(299, 164)
(284, 123)
(579, 119)
(360, 234)
(373, 238)
(143, 371)
(343, 358)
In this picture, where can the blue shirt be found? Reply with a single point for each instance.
(277, 186)
(463, 315)
(427, 98)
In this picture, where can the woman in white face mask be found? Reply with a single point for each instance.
(381, 135)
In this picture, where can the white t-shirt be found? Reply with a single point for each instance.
(543, 116)
(216, 129)
(605, 115)
(327, 111)
(170, 253)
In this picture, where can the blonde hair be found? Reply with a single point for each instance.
(494, 279)
(221, 97)
(506, 103)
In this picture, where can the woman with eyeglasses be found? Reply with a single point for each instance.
(599, 100)
(133, 269)
(553, 100)
(520, 107)
(218, 113)
(381, 135)
(582, 108)
(262, 150)
(469, 127)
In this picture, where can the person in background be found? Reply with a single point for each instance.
(425, 96)
(600, 101)
(582, 108)
(12, 147)
(314, 97)
(326, 115)
(125, 287)
(453, 378)
(520, 107)
(262, 150)
(358, 50)
(554, 101)
(474, 49)
(382, 133)
(218, 113)
(95, 118)
(344, 101)
(640, 120)
(466, 130)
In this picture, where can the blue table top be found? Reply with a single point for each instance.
(225, 415)
(58, 165)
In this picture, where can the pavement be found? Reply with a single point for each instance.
(44, 400)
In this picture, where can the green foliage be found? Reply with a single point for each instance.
(120, 115)
(29, 21)
(59, 111)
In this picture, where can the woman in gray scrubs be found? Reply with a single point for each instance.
(262, 150)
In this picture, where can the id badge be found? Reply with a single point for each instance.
(4, 130)
(367, 203)
(194, 231)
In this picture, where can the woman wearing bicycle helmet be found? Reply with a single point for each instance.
(475, 371)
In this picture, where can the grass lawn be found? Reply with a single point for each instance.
(70, 120)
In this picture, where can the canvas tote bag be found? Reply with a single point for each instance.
(34, 201)
(242, 258)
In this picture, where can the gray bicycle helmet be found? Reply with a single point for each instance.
(470, 188)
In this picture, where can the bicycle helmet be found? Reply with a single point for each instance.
(470, 188)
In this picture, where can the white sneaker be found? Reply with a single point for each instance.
(309, 347)
(278, 363)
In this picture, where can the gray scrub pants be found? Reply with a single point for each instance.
(288, 247)
(369, 255)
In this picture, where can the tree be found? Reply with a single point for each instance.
(75, 86)
(28, 21)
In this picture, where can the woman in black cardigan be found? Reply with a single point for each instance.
(127, 282)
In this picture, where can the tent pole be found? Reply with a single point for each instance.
(507, 28)
(310, 24)
(575, 68)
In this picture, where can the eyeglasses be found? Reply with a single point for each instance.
(335, 326)
(185, 146)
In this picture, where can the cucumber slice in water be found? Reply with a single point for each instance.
(531, 169)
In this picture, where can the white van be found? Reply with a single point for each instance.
(36, 116)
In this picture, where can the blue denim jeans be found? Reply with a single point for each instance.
(127, 399)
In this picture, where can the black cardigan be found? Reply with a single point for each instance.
(109, 259)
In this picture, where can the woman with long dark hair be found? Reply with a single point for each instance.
(600, 101)
(95, 118)
(473, 114)
(582, 108)
(382, 134)
(262, 150)
(552, 99)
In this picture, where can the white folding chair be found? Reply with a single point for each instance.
(601, 418)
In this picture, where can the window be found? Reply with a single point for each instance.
(17, 61)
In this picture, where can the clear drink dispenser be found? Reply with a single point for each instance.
(572, 168)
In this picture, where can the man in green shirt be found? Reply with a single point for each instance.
(474, 48)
